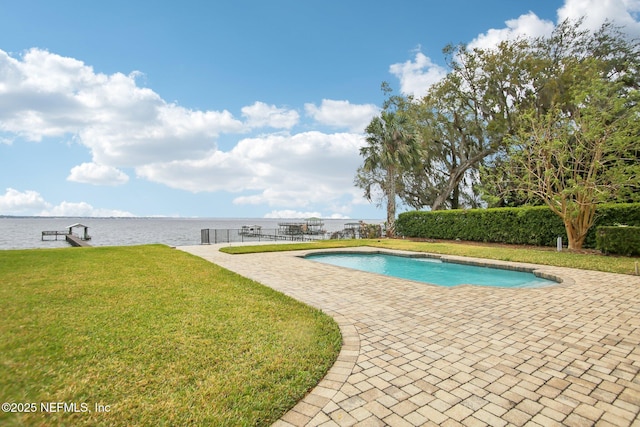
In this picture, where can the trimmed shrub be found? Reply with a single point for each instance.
(621, 240)
(613, 214)
(525, 225)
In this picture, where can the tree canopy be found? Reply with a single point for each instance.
(547, 120)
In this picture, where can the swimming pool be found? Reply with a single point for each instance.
(433, 271)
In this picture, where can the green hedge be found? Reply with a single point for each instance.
(618, 240)
(526, 225)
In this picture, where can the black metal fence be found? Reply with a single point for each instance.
(288, 232)
(211, 236)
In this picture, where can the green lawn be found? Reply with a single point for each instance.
(157, 336)
(544, 256)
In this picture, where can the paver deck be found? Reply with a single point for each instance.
(415, 354)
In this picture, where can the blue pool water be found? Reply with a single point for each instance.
(433, 271)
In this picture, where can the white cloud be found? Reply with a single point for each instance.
(342, 114)
(174, 133)
(293, 214)
(279, 170)
(595, 12)
(83, 209)
(47, 95)
(623, 13)
(338, 216)
(15, 202)
(30, 202)
(124, 125)
(528, 25)
(262, 115)
(92, 173)
(6, 140)
(416, 77)
(288, 213)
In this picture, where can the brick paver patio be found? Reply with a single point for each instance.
(416, 354)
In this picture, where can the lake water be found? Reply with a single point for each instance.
(26, 232)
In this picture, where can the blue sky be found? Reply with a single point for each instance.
(223, 109)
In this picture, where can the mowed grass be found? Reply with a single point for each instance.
(543, 256)
(157, 336)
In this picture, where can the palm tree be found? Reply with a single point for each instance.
(392, 147)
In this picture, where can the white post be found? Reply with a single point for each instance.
(559, 244)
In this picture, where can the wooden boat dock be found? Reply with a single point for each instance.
(72, 239)
(76, 241)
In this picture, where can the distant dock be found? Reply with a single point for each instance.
(72, 239)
